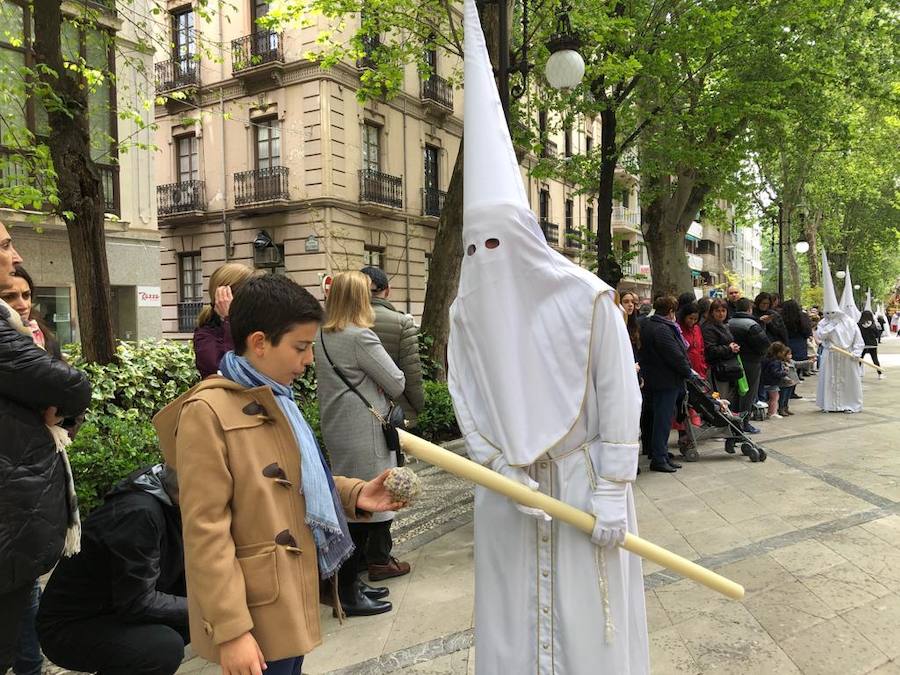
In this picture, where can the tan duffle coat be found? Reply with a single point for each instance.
(250, 559)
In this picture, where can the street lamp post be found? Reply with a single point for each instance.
(564, 69)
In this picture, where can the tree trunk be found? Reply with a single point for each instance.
(78, 185)
(810, 230)
(443, 277)
(447, 253)
(608, 267)
(665, 222)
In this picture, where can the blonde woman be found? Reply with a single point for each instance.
(352, 435)
(212, 337)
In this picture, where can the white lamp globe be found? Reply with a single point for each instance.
(855, 287)
(801, 246)
(840, 274)
(564, 69)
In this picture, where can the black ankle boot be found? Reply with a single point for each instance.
(356, 603)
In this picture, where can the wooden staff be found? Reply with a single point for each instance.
(476, 473)
(855, 358)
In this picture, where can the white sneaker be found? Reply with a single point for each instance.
(776, 416)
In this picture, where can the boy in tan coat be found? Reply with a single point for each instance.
(263, 518)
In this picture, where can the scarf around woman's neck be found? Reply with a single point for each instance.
(324, 513)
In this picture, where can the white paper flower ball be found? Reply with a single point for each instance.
(403, 484)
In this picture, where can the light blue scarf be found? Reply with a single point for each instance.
(324, 513)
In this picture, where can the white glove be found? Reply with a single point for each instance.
(609, 504)
(501, 466)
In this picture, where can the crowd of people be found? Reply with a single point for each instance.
(243, 526)
(753, 353)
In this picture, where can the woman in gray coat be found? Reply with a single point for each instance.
(352, 434)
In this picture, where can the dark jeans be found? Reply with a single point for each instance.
(784, 397)
(752, 370)
(373, 546)
(656, 421)
(292, 666)
(107, 646)
(13, 605)
(28, 653)
(873, 352)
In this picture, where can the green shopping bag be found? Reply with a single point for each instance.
(742, 385)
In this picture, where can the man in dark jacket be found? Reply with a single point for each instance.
(400, 338)
(732, 295)
(35, 509)
(119, 606)
(750, 334)
(664, 367)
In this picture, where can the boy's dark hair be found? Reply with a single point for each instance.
(272, 304)
(743, 305)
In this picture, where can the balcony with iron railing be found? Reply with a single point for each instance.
(438, 92)
(180, 73)
(432, 201)
(573, 238)
(180, 199)
(259, 49)
(261, 185)
(187, 315)
(380, 188)
(551, 232)
(626, 218)
(630, 269)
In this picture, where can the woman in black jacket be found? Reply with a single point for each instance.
(664, 367)
(721, 350)
(35, 390)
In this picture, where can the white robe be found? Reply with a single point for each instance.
(840, 380)
(547, 601)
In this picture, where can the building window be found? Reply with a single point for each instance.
(589, 217)
(187, 158)
(626, 246)
(544, 204)
(190, 277)
(259, 9)
(625, 196)
(431, 60)
(542, 124)
(373, 256)
(184, 46)
(588, 144)
(568, 141)
(371, 147)
(190, 291)
(431, 168)
(570, 215)
(268, 144)
(55, 307)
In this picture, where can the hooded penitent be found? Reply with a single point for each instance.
(848, 304)
(868, 307)
(519, 300)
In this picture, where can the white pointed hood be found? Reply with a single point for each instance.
(868, 307)
(848, 304)
(520, 303)
(829, 301)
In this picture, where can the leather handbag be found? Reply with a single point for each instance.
(728, 371)
(390, 422)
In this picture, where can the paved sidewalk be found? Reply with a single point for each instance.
(813, 534)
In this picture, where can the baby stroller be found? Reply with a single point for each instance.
(717, 422)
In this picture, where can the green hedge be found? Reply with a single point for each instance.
(117, 436)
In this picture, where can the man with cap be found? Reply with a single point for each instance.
(840, 384)
(400, 338)
(556, 410)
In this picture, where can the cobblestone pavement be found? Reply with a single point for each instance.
(813, 534)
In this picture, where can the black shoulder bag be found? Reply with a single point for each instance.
(389, 423)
